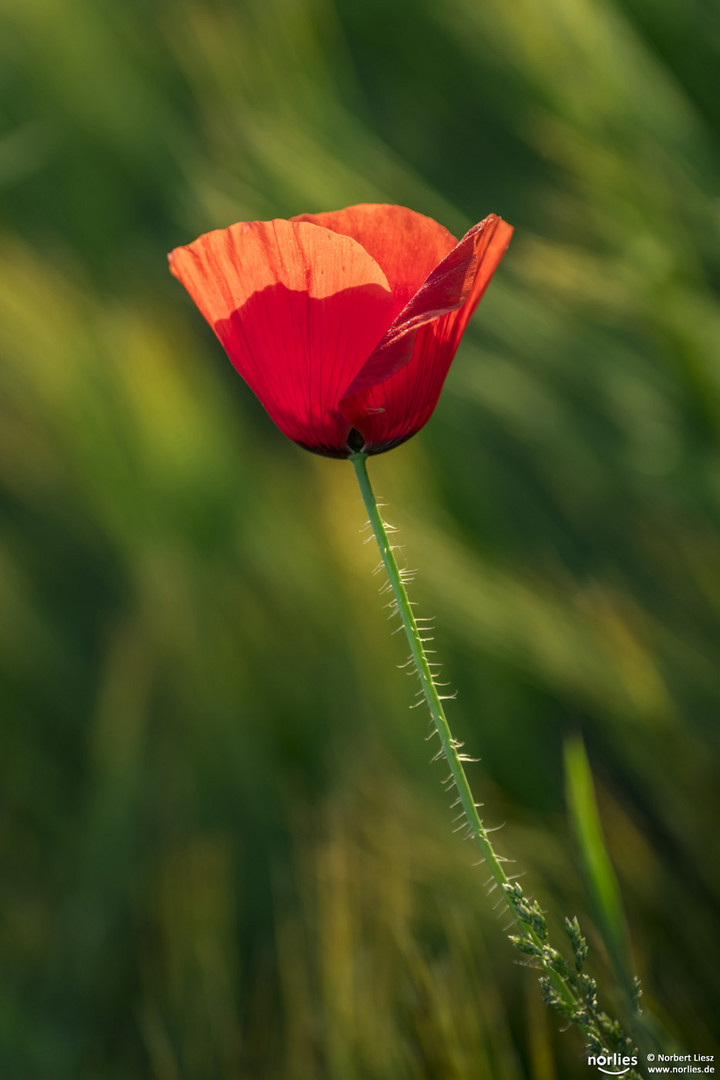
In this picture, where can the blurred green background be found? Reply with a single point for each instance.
(224, 851)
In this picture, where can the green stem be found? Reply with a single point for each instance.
(434, 701)
(449, 744)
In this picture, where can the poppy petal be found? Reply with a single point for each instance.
(419, 347)
(298, 309)
(405, 244)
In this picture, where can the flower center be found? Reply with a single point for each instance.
(355, 440)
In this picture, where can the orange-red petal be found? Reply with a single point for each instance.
(406, 245)
(298, 308)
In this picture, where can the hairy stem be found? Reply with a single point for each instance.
(563, 985)
(432, 696)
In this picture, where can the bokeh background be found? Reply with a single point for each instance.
(225, 853)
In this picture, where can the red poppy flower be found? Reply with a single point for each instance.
(343, 324)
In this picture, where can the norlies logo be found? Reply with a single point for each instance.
(613, 1064)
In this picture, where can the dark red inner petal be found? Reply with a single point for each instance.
(445, 289)
(420, 345)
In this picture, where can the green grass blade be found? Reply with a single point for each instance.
(601, 881)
